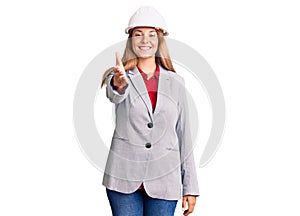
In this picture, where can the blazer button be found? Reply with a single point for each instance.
(150, 125)
(148, 145)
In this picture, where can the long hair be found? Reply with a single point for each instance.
(130, 59)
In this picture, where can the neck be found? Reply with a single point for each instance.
(148, 65)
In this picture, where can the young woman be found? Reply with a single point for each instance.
(150, 165)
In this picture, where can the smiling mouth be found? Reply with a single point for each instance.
(145, 48)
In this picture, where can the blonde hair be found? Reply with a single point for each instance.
(130, 59)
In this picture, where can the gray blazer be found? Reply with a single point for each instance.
(153, 148)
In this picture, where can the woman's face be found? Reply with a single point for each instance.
(144, 42)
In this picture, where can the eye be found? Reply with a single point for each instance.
(137, 35)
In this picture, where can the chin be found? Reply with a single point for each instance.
(143, 55)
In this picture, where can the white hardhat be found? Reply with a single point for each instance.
(147, 17)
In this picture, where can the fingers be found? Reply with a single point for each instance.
(119, 77)
(191, 204)
(119, 72)
(119, 66)
(118, 60)
(121, 81)
(184, 199)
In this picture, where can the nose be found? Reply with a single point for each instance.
(145, 39)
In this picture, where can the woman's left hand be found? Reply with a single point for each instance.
(191, 200)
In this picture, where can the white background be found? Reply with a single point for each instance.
(253, 47)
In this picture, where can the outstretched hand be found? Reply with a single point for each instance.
(119, 77)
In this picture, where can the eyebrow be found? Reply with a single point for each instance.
(137, 30)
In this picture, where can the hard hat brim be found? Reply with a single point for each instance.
(165, 33)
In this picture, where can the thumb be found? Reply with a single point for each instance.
(183, 203)
(118, 60)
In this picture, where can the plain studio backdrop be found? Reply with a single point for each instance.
(253, 48)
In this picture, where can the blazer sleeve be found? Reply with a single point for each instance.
(112, 94)
(188, 168)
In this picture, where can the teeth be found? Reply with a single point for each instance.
(144, 48)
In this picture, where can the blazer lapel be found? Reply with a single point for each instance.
(162, 89)
(139, 84)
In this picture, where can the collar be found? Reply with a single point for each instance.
(156, 73)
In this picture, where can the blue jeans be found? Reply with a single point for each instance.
(139, 203)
